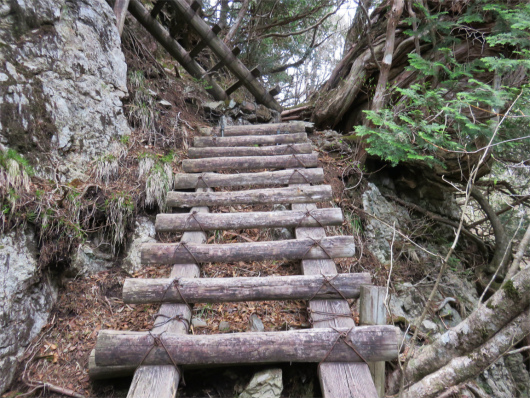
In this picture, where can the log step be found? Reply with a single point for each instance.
(212, 152)
(260, 129)
(373, 343)
(247, 220)
(294, 249)
(245, 163)
(280, 177)
(303, 194)
(201, 142)
(223, 290)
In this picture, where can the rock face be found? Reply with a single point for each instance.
(26, 297)
(265, 384)
(144, 233)
(379, 236)
(63, 77)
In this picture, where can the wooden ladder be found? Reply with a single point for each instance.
(191, 13)
(341, 348)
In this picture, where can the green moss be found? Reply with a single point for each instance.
(490, 306)
(510, 290)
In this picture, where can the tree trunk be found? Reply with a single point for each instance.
(388, 53)
(481, 325)
(466, 367)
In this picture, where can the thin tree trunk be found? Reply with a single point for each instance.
(514, 268)
(235, 27)
(471, 365)
(480, 326)
(386, 63)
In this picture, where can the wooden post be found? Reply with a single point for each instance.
(337, 379)
(120, 10)
(372, 311)
(225, 55)
(162, 381)
(164, 38)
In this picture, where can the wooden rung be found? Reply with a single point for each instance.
(225, 290)
(255, 72)
(202, 142)
(236, 51)
(195, 6)
(244, 163)
(247, 220)
(294, 249)
(373, 343)
(202, 44)
(212, 152)
(275, 91)
(305, 194)
(234, 87)
(281, 177)
(260, 129)
(158, 7)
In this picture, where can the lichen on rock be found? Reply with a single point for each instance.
(26, 295)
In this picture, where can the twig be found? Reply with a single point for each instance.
(50, 387)
(527, 348)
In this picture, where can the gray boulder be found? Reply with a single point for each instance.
(144, 233)
(66, 76)
(27, 296)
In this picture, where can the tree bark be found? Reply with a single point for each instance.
(471, 365)
(373, 343)
(514, 268)
(235, 27)
(503, 243)
(388, 53)
(481, 325)
(250, 220)
(245, 163)
(292, 249)
(201, 142)
(309, 194)
(224, 290)
(264, 178)
(214, 152)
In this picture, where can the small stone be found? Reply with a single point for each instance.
(213, 106)
(165, 104)
(265, 384)
(247, 107)
(429, 325)
(152, 93)
(263, 113)
(255, 324)
(3, 77)
(224, 326)
(198, 323)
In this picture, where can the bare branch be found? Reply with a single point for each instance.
(299, 32)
